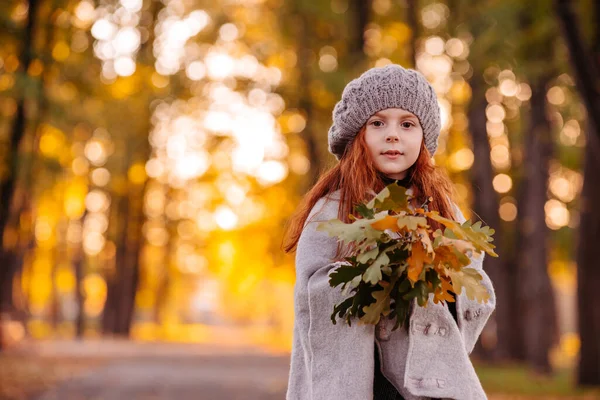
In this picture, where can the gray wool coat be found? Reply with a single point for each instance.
(336, 362)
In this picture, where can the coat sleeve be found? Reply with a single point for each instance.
(472, 315)
(330, 349)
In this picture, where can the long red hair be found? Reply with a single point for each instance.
(357, 177)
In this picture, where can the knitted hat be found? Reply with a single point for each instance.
(379, 88)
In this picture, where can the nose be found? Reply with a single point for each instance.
(392, 137)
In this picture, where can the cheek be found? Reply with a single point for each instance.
(415, 145)
(370, 141)
(416, 140)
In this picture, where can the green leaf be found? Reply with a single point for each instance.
(352, 284)
(373, 274)
(381, 306)
(420, 292)
(392, 197)
(364, 258)
(401, 309)
(341, 309)
(374, 311)
(357, 231)
(364, 211)
(344, 274)
(404, 285)
(433, 277)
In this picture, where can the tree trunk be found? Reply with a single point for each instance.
(79, 294)
(305, 102)
(118, 284)
(413, 23)
(486, 206)
(130, 273)
(361, 10)
(18, 129)
(585, 67)
(586, 64)
(535, 293)
(78, 265)
(588, 273)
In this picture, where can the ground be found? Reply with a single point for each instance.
(115, 370)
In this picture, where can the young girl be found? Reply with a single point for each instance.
(385, 129)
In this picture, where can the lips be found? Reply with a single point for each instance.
(392, 153)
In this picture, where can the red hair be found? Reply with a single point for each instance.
(357, 177)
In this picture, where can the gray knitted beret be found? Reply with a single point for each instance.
(379, 88)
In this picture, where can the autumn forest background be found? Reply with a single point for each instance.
(152, 151)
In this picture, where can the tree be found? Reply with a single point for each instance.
(486, 202)
(537, 322)
(7, 187)
(585, 61)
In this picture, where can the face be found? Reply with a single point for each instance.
(394, 139)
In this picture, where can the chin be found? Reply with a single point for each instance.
(392, 171)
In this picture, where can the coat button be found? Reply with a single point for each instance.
(468, 315)
(430, 329)
(418, 327)
(381, 330)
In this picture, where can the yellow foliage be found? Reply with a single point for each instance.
(570, 344)
(61, 51)
(52, 141)
(42, 265)
(276, 60)
(389, 222)
(442, 294)
(40, 290)
(6, 82)
(65, 280)
(400, 31)
(36, 67)
(39, 329)
(93, 308)
(145, 298)
(125, 86)
(460, 92)
(94, 286)
(74, 202)
(137, 173)
(416, 262)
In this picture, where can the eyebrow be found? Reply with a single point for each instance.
(378, 114)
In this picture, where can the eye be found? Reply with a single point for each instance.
(377, 122)
(407, 124)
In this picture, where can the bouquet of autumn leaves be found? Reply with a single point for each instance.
(397, 257)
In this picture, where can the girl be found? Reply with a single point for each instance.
(385, 129)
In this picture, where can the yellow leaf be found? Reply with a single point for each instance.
(416, 262)
(462, 245)
(450, 257)
(442, 294)
(470, 280)
(425, 239)
(389, 222)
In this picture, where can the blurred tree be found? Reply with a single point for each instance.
(123, 282)
(412, 20)
(585, 60)
(479, 20)
(538, 321)
(24, 100)
(360, 15)
(299, 19)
